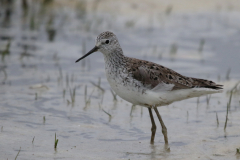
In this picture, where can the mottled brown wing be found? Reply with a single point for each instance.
(203, 83)
(151, 74)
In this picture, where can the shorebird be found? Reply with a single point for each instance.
(146, 83)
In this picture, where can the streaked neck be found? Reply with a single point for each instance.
(116, 56)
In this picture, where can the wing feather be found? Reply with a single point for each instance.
(158, 77)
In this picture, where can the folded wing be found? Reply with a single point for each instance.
(157, 77)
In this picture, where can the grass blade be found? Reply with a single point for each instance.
(18, 153)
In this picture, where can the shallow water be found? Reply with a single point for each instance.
(38, 75)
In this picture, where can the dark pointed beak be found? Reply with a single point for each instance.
(95, 49)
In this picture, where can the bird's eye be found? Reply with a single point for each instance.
(107, 41)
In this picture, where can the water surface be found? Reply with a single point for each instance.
(39, 44)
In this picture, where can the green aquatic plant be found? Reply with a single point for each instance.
(55, 142)
(238, 150)
(201, 45)
(168, 10)
(36, 96)
(208, 97)
(72, 95)
(6, 50)
(132, 108)
(81, 9)
(173, 50)
(228, 73)
(64, 93)
(32, 23)
(33, 139)
(130, 23)
(228, 106)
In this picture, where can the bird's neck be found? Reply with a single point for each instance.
(115, 58)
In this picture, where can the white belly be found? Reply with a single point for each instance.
(126, 92)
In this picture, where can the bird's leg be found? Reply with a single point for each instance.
(154, 128)
(164, 129)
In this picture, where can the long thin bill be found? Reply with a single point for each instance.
(95, 49)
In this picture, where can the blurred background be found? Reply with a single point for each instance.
(43, 91)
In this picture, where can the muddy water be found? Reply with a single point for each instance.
(43, 92)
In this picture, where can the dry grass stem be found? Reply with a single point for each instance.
(114, 95)
(18, 153)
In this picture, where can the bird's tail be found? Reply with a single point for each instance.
(203, 83)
